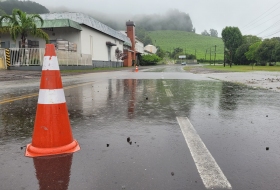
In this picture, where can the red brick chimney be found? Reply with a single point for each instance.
(130, 30)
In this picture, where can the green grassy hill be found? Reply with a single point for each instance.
(169, 39)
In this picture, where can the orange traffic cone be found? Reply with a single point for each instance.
(52, 132)
(136, 69)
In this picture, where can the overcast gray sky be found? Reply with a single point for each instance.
(205, 14)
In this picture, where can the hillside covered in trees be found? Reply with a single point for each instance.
(26, 6)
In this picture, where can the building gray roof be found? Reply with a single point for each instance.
(88, 21)
(57, 23)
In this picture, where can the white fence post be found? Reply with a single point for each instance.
(34, 56)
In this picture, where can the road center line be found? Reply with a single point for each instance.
(208, 169)
(168, 93)
(8, 100)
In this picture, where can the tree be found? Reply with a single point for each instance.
(143, 35)
(193, 30)
(232, 38)
(29, 7)
(276, 53)
(21, 24)
(149, 59)
(213, 33)
(120, 55)
(240, 56)
(147, 40)
(251, 39)
(2, 12)
(160, 52)
(247, 41)
(266, 50)
(251, 54)
(176, 52)
(205, 33)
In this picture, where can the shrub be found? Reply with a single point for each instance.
(149, 59)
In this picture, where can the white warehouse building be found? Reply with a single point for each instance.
(78, 32)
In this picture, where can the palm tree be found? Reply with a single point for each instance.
(19, 23)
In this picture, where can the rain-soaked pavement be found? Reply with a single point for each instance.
(126, 124)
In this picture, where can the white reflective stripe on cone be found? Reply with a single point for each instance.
(50, 63)
(51, 96)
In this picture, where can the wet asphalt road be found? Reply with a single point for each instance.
(126, 124)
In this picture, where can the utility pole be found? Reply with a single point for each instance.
(224, 56)
(215, 55)
(195, 53)
(205, 55)
(210, 57)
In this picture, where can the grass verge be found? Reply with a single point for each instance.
(242, 68)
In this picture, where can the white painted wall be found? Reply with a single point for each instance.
(69, 34)
(6, 37)
(89, 41)
(150, 48)
(139, 46)
(99, 47)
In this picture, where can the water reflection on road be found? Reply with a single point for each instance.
(233, 120)
(53, 172)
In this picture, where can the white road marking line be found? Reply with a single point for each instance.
(168, 93)
(208, 169)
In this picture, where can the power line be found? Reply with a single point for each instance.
(266, 15)
(261, 15)
(261, 23)
(271, 34)
(269, 27)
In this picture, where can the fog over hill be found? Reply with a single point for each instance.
(170, 20)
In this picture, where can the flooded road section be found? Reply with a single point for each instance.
(126, 124)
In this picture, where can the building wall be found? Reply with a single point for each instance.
(94, 43)
(150, 48)
(139, 46)
(128, 61)
(130, 30)
(89, 41)
(69, 34)
(6, 38)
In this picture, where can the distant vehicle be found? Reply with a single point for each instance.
(184, 63)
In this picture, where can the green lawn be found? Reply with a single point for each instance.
(169, 39)
(243, 68)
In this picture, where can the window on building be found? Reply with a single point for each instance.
(109, 53)
(30, 44)
(5, 44)
(2, 44)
